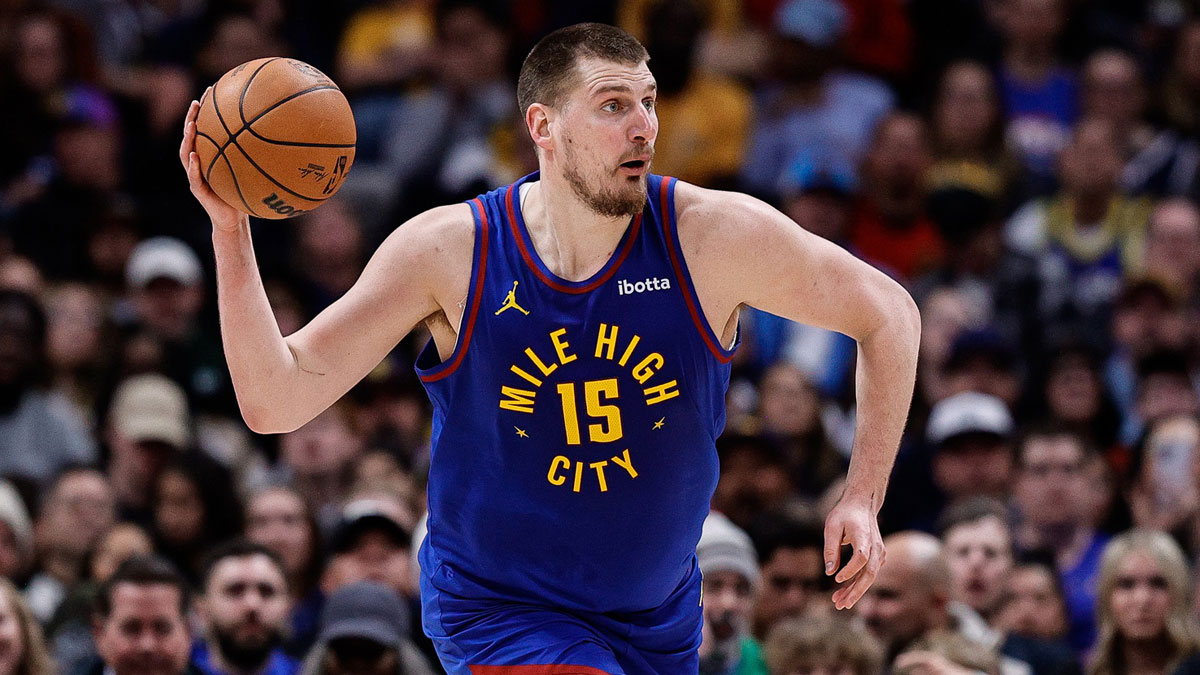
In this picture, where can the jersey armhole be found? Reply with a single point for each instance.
(474, 296)
(679, 264)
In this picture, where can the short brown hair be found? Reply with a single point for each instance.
(814, 641)
(552, 61)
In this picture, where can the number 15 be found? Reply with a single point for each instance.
(594, 392)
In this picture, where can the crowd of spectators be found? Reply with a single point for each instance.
(1028, 169)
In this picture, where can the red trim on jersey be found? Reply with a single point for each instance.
(554, 669)
(552, 283)
(465, 340)
(684, 282)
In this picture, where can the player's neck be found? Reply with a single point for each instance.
(571, 239)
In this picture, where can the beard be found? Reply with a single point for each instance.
(247, 652)
(629, 200)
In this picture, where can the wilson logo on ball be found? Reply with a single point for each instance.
(276, 204)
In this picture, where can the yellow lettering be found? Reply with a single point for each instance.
(561, 346)
(611, 430)
(599, 467)
(627, 464)
(578, 474)
(553, 476)
(546, 370)
(661, 392)
(566, 390)
(609, 340)
(644, 371)
(520, 400)
(629, 350)
(531, 379)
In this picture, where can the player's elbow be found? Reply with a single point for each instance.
(263, 420)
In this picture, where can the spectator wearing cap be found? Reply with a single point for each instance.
(969, 441)
(1051, 496)
(364, 629)
(148, 423)
(730, 570)
(245, 609)
(141, 625)
(792, 576)
(369, 544)
(1086, 238)
(164, 281)
(39, 434)
(811, 103)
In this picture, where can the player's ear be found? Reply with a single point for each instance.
(537, 121)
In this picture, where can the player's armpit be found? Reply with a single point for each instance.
(418, 271)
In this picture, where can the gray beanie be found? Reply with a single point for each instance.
(725, 547)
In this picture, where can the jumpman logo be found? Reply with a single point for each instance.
(510, 301)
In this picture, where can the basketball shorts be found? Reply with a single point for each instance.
(492, 637)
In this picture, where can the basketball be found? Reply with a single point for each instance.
(275, 137)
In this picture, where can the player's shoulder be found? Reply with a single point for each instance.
(719, 217)
(441, 228)
(436, 242)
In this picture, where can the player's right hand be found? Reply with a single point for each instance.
(223, 216)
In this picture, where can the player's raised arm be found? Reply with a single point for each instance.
(748, 253)
(283, 382)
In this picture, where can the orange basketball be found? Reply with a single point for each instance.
(275, 137)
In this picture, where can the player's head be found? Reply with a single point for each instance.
(588, 100)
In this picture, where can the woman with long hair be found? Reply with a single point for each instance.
(22, 647)
(1143, 607)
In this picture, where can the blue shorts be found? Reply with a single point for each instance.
(494, 637)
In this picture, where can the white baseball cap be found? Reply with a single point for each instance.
(162, 257)
(968, 412)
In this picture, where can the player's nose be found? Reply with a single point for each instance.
(645, 126)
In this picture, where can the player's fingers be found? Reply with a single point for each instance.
(189, 137)
(849, 595)
(862, 553)
(196, 181)
(833, 545)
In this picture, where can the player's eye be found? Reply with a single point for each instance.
(649, 103)
(611, 106)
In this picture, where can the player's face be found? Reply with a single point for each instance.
(606, 135)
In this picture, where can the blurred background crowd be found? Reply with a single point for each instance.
(1028, 169)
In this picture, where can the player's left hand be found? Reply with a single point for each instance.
(853, 522)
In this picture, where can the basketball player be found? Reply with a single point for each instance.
(583, 322)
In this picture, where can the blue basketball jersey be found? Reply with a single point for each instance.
(574, 424)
